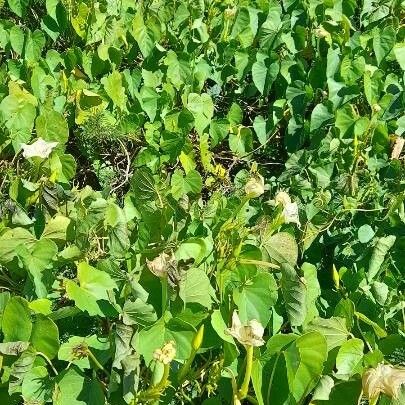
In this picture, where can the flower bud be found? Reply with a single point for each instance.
(198, 338)
(255, 186)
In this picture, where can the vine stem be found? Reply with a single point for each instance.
(97, 363)
(248, 372)
(48, 360)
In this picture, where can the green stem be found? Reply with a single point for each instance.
(162, 383)
(186, 367)
(248, 372)
(48, 360)
(97, 363)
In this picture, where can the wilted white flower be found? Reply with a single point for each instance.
(290, 209)
(320, 32)
(40, 148)
(255, 186)
(384, 379)
(248, 335)
(159, 265)
(166, 354)
(397, 148)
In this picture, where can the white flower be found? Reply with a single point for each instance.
(290, 213)
(40, 148)
(383, 379)
(166, 354)
(255, 186)
(248, 335)
(290, 209)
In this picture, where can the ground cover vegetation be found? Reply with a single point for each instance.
(202, 202)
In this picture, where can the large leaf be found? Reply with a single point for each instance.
(254, 299)
(196, 287)
(304, 361)
(92, 290)
(16, 322)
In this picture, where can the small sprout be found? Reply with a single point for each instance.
(40, 148)
(383, 379)
(255, 186)
(166, 354)
(247, 335)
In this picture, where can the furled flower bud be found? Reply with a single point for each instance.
(40, 148)
(384, 379)
(248, 335)
(198, 338)
(166, 354)
(255, 186)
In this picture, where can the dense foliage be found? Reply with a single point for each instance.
(202, 202)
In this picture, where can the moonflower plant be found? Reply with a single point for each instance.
(40, 148)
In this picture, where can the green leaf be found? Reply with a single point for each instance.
(36, 260)
(52, 127)
(241, 142)
(282, 248)
(56, 228)
(93, 287)
(333, 329)
(45, 336)
(196, 287)
(255, 298)
(349, 358)
(202, 108)
(304, 360)
(382, 247)
(37, 386)
(178, 68)
(116, 225)
(16, 323)
(34, 43)
(11, 239)
(163, 331)
(264, 73)
(319, 117)
(143, 34)
(190, 183)
(74, 388)
(379, 331)
(365, 233)
(115, 90)
(294, 292)
(138, 312)
(383, 42)
(18, 6)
